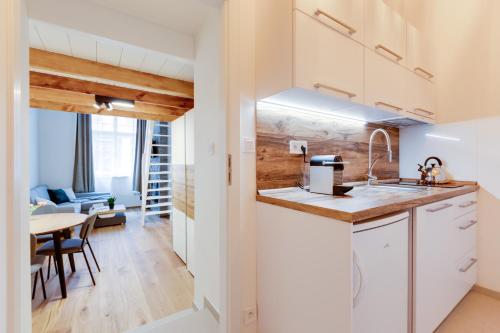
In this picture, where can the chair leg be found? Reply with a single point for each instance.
(34, 286)
(88, 266)
(93, 255)
(43, 284)
(55, 266)
(48, 268)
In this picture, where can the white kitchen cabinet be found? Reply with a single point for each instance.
(422, 98)
(419, 53)
(386, 84)
(345, 16)
(327, 61)
(385, 30)
(445, 263)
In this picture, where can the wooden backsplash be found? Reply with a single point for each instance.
(324, 135)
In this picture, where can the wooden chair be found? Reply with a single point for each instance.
(36, 267)
(75, 245)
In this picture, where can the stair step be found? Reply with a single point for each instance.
(160, 172)
(158, 197)
(158, 212)
(157, 181)
(161, 204)
(163, 125)
(161, 135)
(159, 189)
(152, 155)
(159, 145)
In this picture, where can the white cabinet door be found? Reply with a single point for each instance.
(381, 279)
(327, 61)
(385, 30)
(345, 16)
(419, 53)
(385, 83)
(422, 98)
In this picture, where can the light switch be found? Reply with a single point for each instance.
(295, 146)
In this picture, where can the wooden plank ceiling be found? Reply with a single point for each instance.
(64, 83)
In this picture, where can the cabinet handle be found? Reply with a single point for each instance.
(350, 29)
(397, 108)
(468, 225)
(394, 54)
(418, 112)
(437, 209)
(357, 289)
(324, 86)
(468, 204)
(469, 265)
(423, 71)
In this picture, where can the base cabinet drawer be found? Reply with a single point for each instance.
(445, 262)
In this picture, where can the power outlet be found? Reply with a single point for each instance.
(249, 316)
(295, 146)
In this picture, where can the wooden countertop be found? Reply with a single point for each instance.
(362, 202)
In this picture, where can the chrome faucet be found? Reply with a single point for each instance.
(371, 177)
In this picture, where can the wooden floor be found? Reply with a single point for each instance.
(477, 313)
(141, 280)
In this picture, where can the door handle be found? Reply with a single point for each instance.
(468, 204)
(469, 265)
(426, 73)
(397, 108)
(437, 209)
(349, 29)
(468, 225)
(391, 52)
(324, 86)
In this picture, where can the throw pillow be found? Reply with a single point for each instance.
(70, 193)
(42, 202)
(58, 196)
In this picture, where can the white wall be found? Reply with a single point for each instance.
(34, 157)
(210, 127)
(56, 147)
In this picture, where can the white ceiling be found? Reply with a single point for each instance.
(184, 16)
(78, 44)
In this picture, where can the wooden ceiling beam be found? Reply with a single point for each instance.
(47, 105)
(88, 87)
(60, 63)
(71, 101)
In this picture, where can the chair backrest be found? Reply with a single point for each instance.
(87, 227)
(33, 245)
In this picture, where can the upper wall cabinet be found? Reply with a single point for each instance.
(420, 55)
(345, 16)
(327, 61)
(385, 30)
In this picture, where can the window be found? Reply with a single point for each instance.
(113, 142)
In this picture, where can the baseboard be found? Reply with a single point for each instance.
(488, 292)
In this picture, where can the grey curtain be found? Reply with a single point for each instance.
(140, 138)
(83, 174)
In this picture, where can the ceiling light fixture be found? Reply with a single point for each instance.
(110, 103)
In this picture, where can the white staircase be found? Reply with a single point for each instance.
(156, 180)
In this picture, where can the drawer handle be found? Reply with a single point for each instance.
(394, 54)
(468, 204)
(469, 265)
(468, 225)
(397, 108)
(350, 29)
(324, 86)
(423, 71)
(437, 209)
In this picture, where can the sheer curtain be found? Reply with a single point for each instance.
(113, 141)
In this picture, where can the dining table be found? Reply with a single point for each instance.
(59, 225)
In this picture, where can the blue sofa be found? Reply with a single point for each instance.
(81, 204)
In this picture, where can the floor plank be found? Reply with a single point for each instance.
(141, 280)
